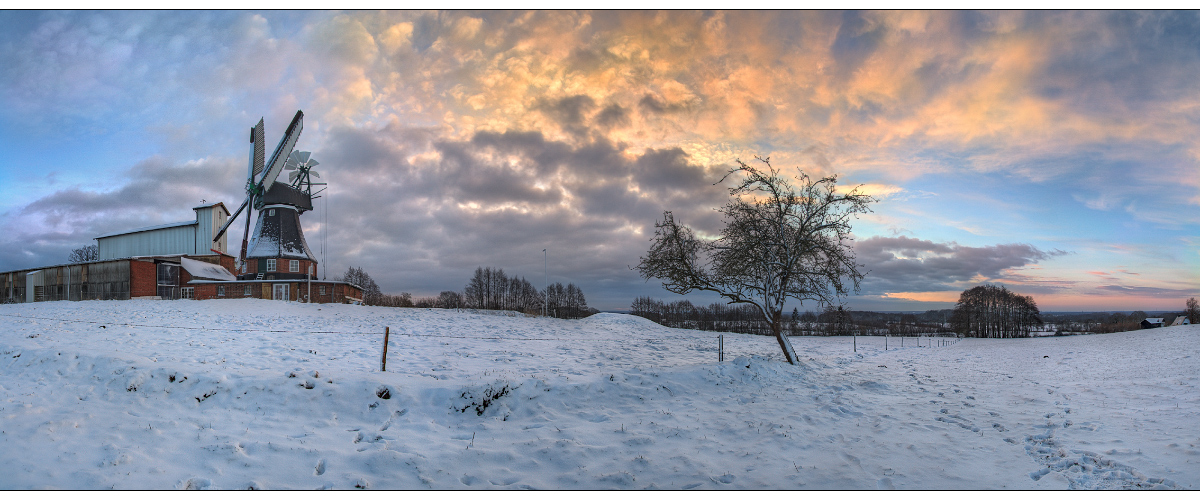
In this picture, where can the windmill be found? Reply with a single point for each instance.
(263, 189)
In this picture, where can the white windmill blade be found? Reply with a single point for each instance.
(292, 176)
(293, 161)
(313, 173)
(283, 151)
(302, 156)
(312, 163)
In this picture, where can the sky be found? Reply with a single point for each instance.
(1054, 153)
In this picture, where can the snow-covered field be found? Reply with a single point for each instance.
(236, 394)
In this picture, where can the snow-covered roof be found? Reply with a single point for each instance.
(206, 271)
(1153, 321)
(149, 228)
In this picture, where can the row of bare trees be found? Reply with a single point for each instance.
(493, 289)
(990, 311)
(743, 318)
(738, 318)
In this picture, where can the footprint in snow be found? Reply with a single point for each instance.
(197, 483)
(320, 467)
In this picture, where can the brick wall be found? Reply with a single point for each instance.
(281, 266)
(234, 290)
(143, 279)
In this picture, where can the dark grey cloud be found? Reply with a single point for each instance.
(421, 213)
(155, 191)
(613, 116)
(903, 264)
(571, 113)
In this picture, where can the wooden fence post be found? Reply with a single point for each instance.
(383, 363)
(721, 347)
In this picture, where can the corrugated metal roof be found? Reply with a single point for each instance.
(149, 228)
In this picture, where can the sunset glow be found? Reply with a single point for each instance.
(1055, 153)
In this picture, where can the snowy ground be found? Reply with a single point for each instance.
(239, 394)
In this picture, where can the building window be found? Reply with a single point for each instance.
(246, 290)
(220, 290)
(270, 265)
(271, 212)
(322, 289)
(189, 292)
(293, 266)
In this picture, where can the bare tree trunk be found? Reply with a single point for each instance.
(784, 343)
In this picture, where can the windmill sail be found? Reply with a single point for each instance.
(279, 158)
(259, 151)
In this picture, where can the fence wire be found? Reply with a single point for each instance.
(700, 337)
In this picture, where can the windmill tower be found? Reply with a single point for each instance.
(277, 249)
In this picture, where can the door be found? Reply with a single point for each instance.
(280, 292)
(33, 282)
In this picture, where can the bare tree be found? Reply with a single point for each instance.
(449, 300)
(1192, 311)
(990, 311)
(779, 241)
(372, 296)
(88, 253)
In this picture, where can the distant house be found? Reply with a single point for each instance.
(1152, 323)
(1180, 321)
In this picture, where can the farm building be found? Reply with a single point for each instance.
(194, 237)
(1181, 320)
(1152, 323)
(189, 259)
(177, 276)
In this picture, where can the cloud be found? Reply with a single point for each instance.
(419, 211)
(906, 265)
(154, 191)
(1146, 291)
(447, 132)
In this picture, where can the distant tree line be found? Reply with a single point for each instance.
(490, 289)
(744, 318)
(990, 311)
(493, 289)
(1111, 322)
(1094, 322)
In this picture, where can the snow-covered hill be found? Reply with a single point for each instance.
(236, 394)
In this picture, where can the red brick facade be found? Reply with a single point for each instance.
(333, 291)
(143, 278)
(143, 282)
(281, 266)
